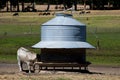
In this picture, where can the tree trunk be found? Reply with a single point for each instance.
(48, 5)
(33, 3)
(10, 6)
(64, 4)
(22, 6)
(84, 4)
(75, 4)
(18, 8)
(91, 5)
(7, 6)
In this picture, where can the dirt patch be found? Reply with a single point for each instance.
(11, 72)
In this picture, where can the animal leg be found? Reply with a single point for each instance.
(19, 64)
(29, 68)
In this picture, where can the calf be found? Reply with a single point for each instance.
(24, 55)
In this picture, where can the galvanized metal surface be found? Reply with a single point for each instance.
(62, 44)
(63, 20)
(63, 31)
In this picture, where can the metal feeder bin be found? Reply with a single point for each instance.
(63, 39)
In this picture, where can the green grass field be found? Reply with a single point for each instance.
(25, 31)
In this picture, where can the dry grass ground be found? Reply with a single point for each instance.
(59, 76)
(11, 72)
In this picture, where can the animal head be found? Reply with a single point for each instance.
(38, 57)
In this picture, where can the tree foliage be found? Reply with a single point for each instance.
(94, 4)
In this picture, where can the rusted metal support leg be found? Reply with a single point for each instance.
(40, 68)
(80, 68)
(46, 68)
(54, 67)
(63, 67)
(72, 68)
(85, 68)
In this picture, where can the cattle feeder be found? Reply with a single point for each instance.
(63, 42)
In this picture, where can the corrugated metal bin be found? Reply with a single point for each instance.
(63, 39)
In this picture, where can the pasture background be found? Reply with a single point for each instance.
(24, 30)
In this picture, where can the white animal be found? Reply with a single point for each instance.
(24, 55)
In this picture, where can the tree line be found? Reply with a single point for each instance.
(10, 5)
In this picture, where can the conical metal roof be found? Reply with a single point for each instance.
(63, 19)
(62, 44)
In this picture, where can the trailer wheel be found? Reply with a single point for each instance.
(37, 68)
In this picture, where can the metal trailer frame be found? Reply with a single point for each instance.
(40, 65)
